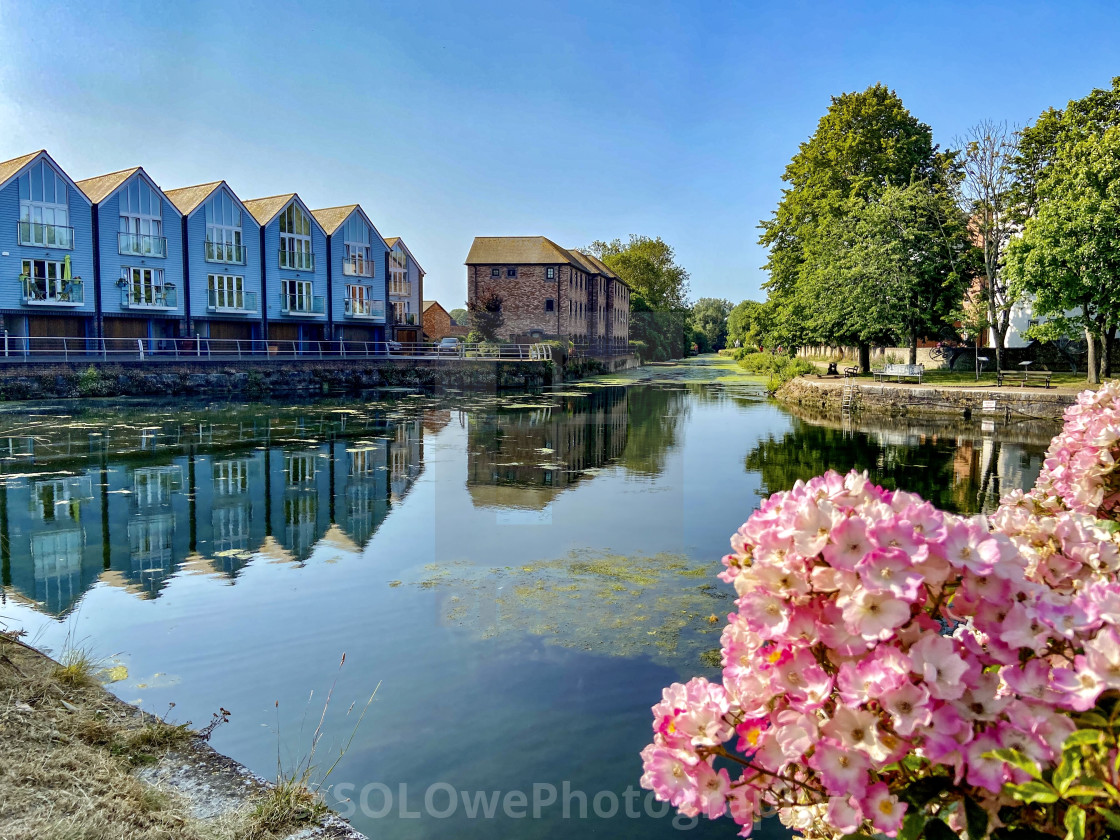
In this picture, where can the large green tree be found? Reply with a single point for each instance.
(866, 143)
(709, 318)
(749, 324)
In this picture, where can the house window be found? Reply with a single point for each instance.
(511, 272)
(295, 239)
(144, 287)
(44, 215)
(295, 295)
(223, 229)
(42, 281)
(495, 272)
(549, 305)
(401, 311)
(550, 273)
(358, 239)
(398, 273)
(358, 300)
(141, 221)
(299, 468)
(227, 291)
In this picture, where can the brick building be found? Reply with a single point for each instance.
(437, 323)
(550, 292)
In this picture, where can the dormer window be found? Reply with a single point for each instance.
(224, 229)
(295, 239)
(358, 239)
(141, 225)
(44, 214)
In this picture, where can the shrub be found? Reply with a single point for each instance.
(779, 369)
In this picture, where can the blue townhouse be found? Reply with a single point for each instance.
(293, 249)
(46, 255)
(406, 292)
(139, 259)
(356, 274)
(222, 263)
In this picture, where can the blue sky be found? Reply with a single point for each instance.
(579, 121)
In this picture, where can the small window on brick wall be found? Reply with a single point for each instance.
(549, 305)
(550, 273)
(495, 272)
(511, 272)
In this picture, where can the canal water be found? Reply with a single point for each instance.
(515, 576)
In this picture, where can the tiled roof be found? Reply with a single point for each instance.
(188, 198)
(393, 240)
(602, 267)
(517, 250)
(331, 218)
(97, 189)
(10, 167)
(264, 210)
(581, 261)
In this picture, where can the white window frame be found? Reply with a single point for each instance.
(47, 286)
(358, 251)
(297, 290)
(224, 233)
(228, 290)
(294, 243)
(46, 223)
(136, 222)
(144, 285)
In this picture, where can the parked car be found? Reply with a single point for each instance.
(448, 346)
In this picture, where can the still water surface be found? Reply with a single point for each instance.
(520, 575)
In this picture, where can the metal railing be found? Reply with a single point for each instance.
(297, 260)
(408, 318)
(20, 349)
(303, 304)
(373, 309)
(400, 289)
(225, 252)
(149, 297)
(48, 236)
(38, 291)
(141, 245)
(231, 300)
(357, 266)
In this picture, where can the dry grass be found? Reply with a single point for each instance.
(68, 750)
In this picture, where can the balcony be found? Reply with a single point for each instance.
(149, 297)
(303, 305)
(406, 318)
(46, 236)
(38, 291)
(232, 301)
(297, 260)
(141, 245)
(357, 267)
(400, 289)
(225, 252)
(372, 310)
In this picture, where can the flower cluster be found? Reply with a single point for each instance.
(878, 640)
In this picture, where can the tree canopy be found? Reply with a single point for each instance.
(709, 320)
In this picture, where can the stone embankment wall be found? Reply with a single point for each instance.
(257, 379)
(924, 400)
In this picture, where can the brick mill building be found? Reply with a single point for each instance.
(550, 292)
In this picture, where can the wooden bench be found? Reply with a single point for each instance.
(1024, 377)
(900, 371)
(851, 371)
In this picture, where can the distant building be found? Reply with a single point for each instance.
(406, 291)
(437, 322)
(550, 292)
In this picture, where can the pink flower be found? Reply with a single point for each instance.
(668, 775)
(967, 545)
(890, 570)
(844, 814)
(988, 773)
(935, 659)
(884, 809)
(764, 612)
(712, 789)
(856, 729)
(873, 615)
(908, 708)
(849, 543)
(843, 771)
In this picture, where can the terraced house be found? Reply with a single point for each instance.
(550, 292)
(117, 257)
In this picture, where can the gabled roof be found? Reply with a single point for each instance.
(187, 199)
(428, 304)
(10, 169)
(391, 241)
(602, 268)
(581, 261)
(264, 210)
(332, 218)
(99, 188)
(516, 250)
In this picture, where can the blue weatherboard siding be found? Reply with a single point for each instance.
(275, 274)
(339, 280)
(200, 269)
(81, 256)
(113, 262)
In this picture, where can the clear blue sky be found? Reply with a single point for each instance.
(579, 121)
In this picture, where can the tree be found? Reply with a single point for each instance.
(987, 194)
(865, 143)
(485, 315)
(749, 324)
(709, 317)
(459, 316)
(1068, 257)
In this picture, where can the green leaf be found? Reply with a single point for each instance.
(921, 791)
(1018, 760)
(1065, 774)
(1092, 719)
(912, 825)
(1034, 792)
(1088, 787)
(1084, 738)
(975, 819)
(1110, 817)
(1075, 823)
(938, 830)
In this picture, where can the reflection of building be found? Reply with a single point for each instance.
(406, 457)
(523, 459)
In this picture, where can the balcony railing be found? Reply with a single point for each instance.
(371, 309)
(297, 260)
(303, 304)
(400, 289)
(406, 318)
(38, 291)
(231, 300)
(141, 245)
(225, 252)
(48, 236)
(357, 267)
(149, 297)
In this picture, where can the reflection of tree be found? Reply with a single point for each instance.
(930, 467)
(655, 416)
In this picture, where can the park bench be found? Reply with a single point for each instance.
(900, 371)
(1024, 377)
